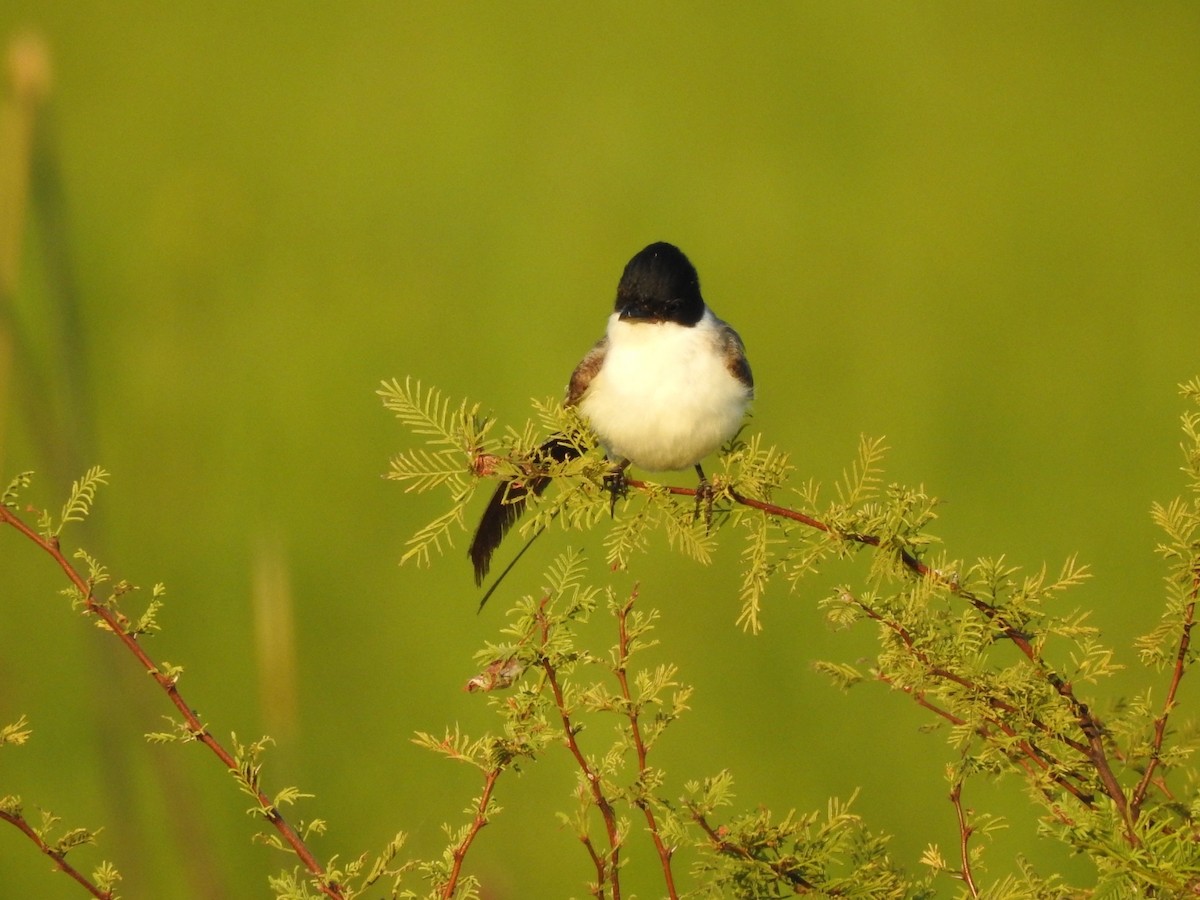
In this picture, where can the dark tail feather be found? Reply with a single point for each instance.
(487, 595)
(507, 504)
(501, 514)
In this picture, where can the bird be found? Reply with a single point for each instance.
(666, 386)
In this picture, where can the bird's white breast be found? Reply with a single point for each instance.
(664, 397)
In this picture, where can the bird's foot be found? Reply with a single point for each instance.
(704, 501)
(615, 482)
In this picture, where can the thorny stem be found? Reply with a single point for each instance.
(59, 857)
(623, 650)
(606, 870)
(198, 730)
(964, 837)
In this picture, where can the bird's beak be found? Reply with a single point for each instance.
(638, 311)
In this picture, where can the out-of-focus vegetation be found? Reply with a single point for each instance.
(970, 228)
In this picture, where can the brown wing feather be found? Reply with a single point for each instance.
(586, 371)
(735, 357)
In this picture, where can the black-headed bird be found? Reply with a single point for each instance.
(667, 385)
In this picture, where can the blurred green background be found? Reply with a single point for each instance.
(971, 227)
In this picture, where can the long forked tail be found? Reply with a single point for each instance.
(508, 502)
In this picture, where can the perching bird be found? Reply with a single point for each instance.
(666, 386)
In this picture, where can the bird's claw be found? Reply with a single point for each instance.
(704, 498)
(615, 482)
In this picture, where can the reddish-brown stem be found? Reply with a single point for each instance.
(964, 838)
(599, 863)
(1041, 757)
(460, 852)
(1160, 723)
(799, 884)
(664, 852)
(195, 726)
(607, 870)
(58, 857)
(919, 698)
(1031, 754)
(1089, 723)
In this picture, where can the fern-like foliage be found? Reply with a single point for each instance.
(17, 732)
(79, 503)
(457, 453)
(12, 491)
(758, 854)
(456, 437)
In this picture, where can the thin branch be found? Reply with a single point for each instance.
(623, 651)
(964, 837)
(607, 870)
(460, 852)
(1088, 722)
(1042, 758)
(800, 885)
(58, 857)
(919, 698)
(1160, 723)
(598, 862)
(166, 682)
(1030, 753)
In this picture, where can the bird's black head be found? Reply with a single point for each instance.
(660, 285)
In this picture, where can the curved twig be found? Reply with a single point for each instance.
(1089, 723)
(198, 730)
